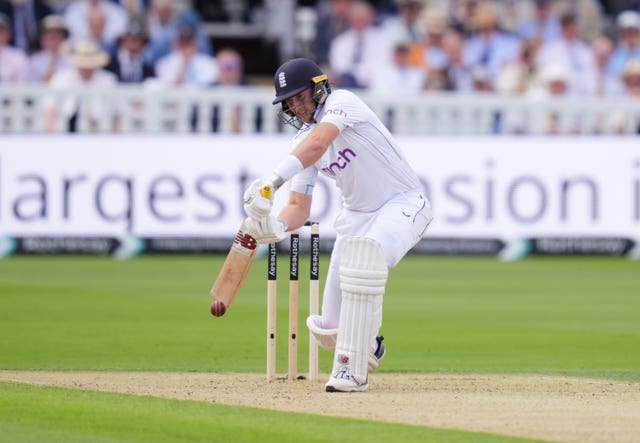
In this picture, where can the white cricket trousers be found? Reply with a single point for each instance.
(398, 225)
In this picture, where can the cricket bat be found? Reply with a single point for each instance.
(235, 268)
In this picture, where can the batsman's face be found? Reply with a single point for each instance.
(303, 105)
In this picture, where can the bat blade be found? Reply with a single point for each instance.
(236, 266)
(235, 269)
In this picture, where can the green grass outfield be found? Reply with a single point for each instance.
(569, 316)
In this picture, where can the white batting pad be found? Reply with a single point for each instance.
(324, 337)
(363, 276)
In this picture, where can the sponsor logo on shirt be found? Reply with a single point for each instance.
(338, 112)
(341, 162)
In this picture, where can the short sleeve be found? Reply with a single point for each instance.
(305, 181)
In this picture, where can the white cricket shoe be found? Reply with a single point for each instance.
(343, 381)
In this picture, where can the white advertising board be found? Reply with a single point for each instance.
(192, 185)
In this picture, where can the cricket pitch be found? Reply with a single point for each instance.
(554, 408)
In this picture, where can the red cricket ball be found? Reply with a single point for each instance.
(218, 308)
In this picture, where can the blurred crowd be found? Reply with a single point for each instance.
(538, 48)
(533, 48)
(105, 41)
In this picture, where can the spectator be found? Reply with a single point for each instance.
(13, 61)
(481, 80)
(399, 78)
(631, 84)
(514, 13)
(628, 42)
(25, 17)
(405, 26)
(134, 7)
(128, 63)
(429, 53)
(456, 74)
(333, 20)
(590, 17)
(606, 84)
(102, 20)
(72, 109)
(165, 27)
(555, 83)
(460, 12)
(97, 21)
(631, 78)
(50, 59)
(161, 17)
(575, 54)
(230, 68)
(160, 25)
(543, 26)
(555, 80)
(231, 74)
(489, 46)
(185, 66)
(517, 77)
(358, 52)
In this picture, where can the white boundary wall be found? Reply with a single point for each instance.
(156, 109)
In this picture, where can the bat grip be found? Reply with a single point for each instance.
(266, 191)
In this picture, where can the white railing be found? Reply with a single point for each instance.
(129, 109)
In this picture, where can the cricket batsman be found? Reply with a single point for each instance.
(384, 211)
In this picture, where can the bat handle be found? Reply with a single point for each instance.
(266, 191)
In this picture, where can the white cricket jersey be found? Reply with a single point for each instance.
(364, 160)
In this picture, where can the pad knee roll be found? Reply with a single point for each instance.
(363, 268)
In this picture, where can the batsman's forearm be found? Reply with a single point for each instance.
(293, 217)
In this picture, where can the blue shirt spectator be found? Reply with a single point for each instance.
(628, 44)
(161, 44)
(489, 46)
(543, 26)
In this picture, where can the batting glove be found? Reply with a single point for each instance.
(257, 199)
(267, 230)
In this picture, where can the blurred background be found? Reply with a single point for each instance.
(574, 65)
